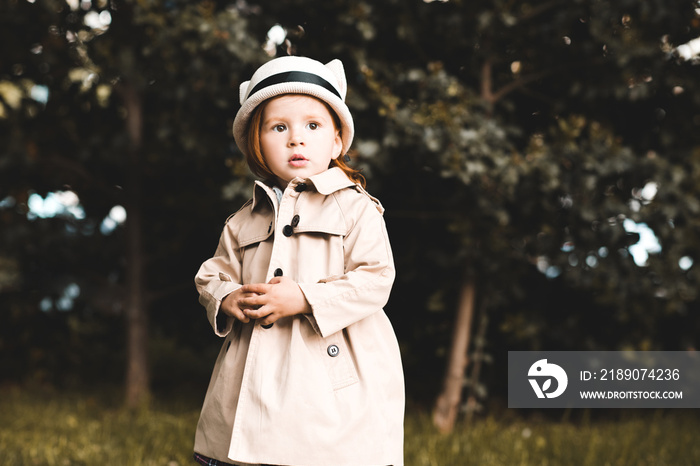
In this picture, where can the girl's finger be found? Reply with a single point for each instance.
(254, 301)
(259, 288)
(240, 315)
(267, 320)
(257, 313)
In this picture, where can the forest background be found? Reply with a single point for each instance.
(539, 164)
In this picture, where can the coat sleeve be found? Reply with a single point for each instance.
(218, 277)
(364, 288)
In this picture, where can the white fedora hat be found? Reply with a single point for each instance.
(295, 75)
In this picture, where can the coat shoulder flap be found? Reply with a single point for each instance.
(336, 213)
(243, 207)
(251, 225)
(320, 213)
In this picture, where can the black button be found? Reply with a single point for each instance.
(333, 351)
(300, 188)
(278, 272)
(295, 221)
(267, 326)
(287, 230)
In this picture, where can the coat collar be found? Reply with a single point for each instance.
(328, 182)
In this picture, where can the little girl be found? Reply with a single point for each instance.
(309, 373)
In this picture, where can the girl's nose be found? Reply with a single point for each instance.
(295, 138)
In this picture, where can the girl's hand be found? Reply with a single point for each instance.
(232, 305)
(281, 297)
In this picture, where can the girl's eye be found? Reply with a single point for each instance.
(279, 128)
(312, 126)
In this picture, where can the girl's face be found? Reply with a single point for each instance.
(298, 137)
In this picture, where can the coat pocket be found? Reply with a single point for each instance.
(336, 355)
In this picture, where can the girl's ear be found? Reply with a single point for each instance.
(337, 145)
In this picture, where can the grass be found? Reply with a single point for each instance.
(47, 428)
(57, 428)
(636, 439)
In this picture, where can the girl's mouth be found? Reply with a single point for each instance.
(298, 160)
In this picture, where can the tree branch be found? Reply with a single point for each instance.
(522, 81)
(540, 9)
(518, 83)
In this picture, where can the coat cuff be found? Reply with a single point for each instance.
(322, 321)
(211, 298)
(338, 304)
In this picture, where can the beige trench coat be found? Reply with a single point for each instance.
(319, 389)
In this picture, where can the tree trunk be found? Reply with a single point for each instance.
(137, 371)
(447, 404)
(478, 359)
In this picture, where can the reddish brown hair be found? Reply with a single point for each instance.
(257, 163)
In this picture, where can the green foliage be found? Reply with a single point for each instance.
(55, 428)
(185, 61)
(509, 141)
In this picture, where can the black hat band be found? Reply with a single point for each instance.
(294, 76)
